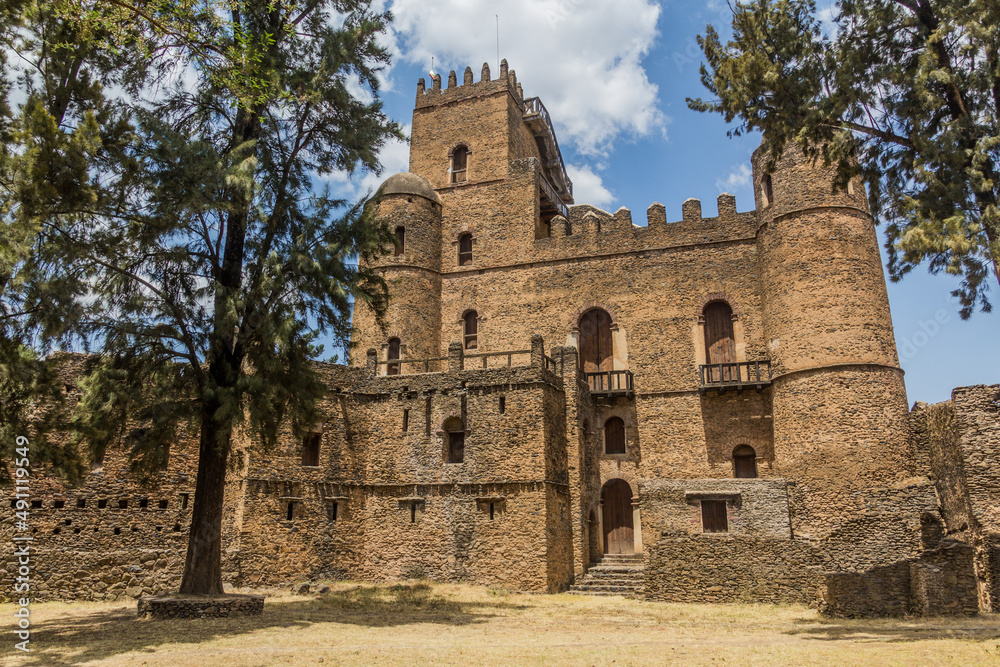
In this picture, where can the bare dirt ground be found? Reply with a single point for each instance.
(420, 623)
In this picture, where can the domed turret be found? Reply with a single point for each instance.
(413, 210)
(405, 183)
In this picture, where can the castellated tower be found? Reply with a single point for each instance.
(413, 210)
(840, 411)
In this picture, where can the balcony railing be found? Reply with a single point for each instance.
(756, 374)
(411, 366)
(610, 382)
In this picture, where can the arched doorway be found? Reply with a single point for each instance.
(596, 348)
(744, 462)
(616, 498)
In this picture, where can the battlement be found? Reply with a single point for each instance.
(436, 95)
(590, 225)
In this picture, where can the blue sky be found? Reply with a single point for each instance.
(614, 77)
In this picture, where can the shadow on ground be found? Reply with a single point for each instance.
(978, 628)
(71, 640)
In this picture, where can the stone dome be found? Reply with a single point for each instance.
(405, 183)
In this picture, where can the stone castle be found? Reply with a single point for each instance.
(710, 409)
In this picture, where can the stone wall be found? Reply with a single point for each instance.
(961, 441)
(941, 581)
(732, 568)
(756, 507)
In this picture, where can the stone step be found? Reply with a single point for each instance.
(617, 569)
(631, 563)
(607, 588)
(631, 583)
(620, 558)
(604, 593)
(630, 573)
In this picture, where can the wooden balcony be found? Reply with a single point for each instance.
(738, 376)
(610, 383)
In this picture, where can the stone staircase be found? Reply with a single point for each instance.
(614, 574)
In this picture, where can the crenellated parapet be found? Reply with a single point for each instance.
(588, 225)
(436, 94)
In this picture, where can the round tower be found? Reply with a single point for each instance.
(412, 271)
(841, 431)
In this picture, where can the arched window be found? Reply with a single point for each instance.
(614, 436)
(744, 462)
(720, 345)
(310, 449)
(595, 341)
(471, 330)
(459, 164)
(766, 189)
(393, 355)
(465, 249)
(400, 240)
(454, 431)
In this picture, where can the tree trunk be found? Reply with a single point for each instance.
(203, 566)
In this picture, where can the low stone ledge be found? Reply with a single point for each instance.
(199, 606)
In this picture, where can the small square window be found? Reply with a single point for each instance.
(714, 518)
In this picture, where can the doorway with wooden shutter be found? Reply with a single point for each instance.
(720, 343)
(616, 499)
(596, 347)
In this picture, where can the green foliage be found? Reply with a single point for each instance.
(904, 92)
(33, 405)
(179, 227)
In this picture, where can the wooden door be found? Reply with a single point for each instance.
(616, 497)
(595, 341)
(720, 346)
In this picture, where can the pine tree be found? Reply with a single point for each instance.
(208, 259)
(906, 92)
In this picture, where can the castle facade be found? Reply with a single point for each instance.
(706, 409)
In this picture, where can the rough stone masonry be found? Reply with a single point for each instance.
(721, 396)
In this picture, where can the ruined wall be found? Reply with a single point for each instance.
(962, 440)
(936, 440)
(941, 581)
(110, 536)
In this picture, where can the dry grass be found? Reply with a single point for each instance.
(422, 623)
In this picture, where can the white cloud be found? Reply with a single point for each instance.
(738, 179)
(588, 188)
(582, 57)
(827, 16)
